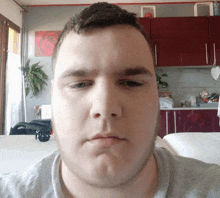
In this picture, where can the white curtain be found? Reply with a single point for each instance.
(13, 100)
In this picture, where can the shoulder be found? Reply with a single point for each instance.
(36, 179)
(186, 175)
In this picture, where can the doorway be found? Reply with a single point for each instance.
(5, 24)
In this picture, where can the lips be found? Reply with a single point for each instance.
(106, 140)
(101, 136)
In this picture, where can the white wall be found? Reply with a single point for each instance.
(10, 10)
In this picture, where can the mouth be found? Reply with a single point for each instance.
(106, 140)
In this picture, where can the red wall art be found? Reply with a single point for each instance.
(45, 42)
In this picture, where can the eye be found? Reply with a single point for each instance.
(80, 85)
(130, 83)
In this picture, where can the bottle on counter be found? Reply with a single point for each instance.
(193, 101)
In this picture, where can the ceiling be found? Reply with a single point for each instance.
(61, 2)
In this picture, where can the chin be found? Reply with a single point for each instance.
(106, 171)
(108, 179)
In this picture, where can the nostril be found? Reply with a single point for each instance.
(97, 115)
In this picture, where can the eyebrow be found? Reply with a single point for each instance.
(85, 72)
(77, 73)
(134, 71)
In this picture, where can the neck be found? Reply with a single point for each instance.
(144, 185)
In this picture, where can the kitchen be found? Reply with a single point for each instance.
(190, 45)
(184, 80)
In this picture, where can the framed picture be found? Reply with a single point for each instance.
(45, 42)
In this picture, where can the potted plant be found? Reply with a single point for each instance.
(34, 77)
(160, 82)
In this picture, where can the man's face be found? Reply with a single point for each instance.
(105, 104)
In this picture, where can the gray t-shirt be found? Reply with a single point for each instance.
(177, 177)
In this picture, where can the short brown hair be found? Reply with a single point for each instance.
(98, 15)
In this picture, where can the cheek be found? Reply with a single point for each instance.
(67, 125)
(67, 114)
(147, 104)
(144, 114)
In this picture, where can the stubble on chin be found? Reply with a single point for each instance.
(139, 168)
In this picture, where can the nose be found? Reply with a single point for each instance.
(105, 102)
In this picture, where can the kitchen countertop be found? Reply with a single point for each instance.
(190, 108)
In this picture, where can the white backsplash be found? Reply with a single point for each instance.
(187, 82)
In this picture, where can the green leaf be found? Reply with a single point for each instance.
(35, 77)
(34, 66)
(164, 75)
(40, 71)
(27, 90)
(44, 75)
(39, 79)
(39, 87)
(158, 78)
(164, 84)
(39, 82)
(39, 67)
(27, 67)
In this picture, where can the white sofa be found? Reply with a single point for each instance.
(201, 146)
(20, 151)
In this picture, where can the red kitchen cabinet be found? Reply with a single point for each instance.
(166, 122)
(181, 53)
(196, 121)
(184, 41)
(179, 27)
(145, 22)
(167, 53)
(214, 34)
(163, 125)
(175, 121)
(181, 41)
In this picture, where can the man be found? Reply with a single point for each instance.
(105, 112)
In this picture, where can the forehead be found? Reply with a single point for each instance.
(107, 48)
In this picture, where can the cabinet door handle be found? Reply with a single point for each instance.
(206, 53)
(214, 54)
(167, 122)
(155, 54)
(175, 121)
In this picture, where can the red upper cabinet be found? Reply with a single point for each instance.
(180, 27)
(181, 41)
(214, 34)
(145, 22)
(214, 28)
